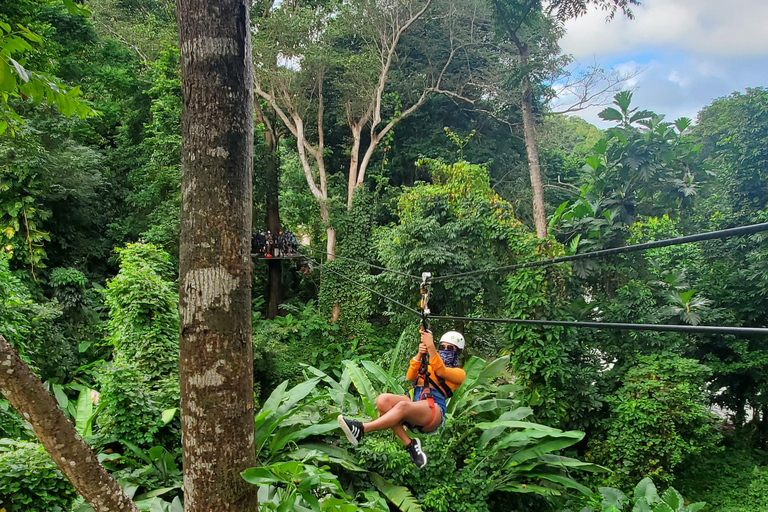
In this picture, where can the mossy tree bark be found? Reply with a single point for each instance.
(216, 361)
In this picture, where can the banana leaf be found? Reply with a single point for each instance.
(399, 496)
(363, 386)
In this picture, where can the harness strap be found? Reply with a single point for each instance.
(442, 386)
(427, 393)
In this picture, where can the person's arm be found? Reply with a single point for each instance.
(428, 340)
(453, 375)
(413, 368)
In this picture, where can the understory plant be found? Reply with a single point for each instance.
(141, 380)
(658, 418)
(295, 462)
(488, 456)
(30, 481)
(645, 498)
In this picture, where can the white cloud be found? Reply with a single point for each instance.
(679, 85)
(710, 27)
(690, 51)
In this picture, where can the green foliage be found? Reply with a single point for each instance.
(732, 134)
(457, 223)
(557, 373)
(658, 418)
(143, 328)
(48, 186)
(30, 481)
(33, 327)
(644, 499)
(485, 449)
(16, 306)
(297, 486)
(156, 194)
(349, 305)
(732, 479)
(302, 336)
(18, 82)
(69, 285)
(11, 424)
(645, 166)
(295, 473)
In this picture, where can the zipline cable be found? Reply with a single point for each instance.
(738, 331)
(705, 329)
(384, 269)
(712, 235)
(416, 312)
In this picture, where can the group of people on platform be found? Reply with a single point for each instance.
(274, 245)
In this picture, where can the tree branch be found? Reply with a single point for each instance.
(57, 434)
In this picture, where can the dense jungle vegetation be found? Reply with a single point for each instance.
(425, 169)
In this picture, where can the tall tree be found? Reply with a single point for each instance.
(216, 362)
(533, 27)
(270, 132)
(343, 57)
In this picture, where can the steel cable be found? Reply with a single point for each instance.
(384, 269)
(395, 301)
(723, 233)
(738, 331)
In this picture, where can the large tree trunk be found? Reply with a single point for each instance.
(274, 266)
(529, 124)
(529, 136)
(73, 457)
(216, 361)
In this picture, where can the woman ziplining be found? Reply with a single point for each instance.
(433, 384)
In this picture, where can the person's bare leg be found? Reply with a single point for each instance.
(384, 403)
(415, 413)
(400, 432)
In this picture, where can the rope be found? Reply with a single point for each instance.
(723, 233)
(384, 269)
(395, 301)
(738, 331)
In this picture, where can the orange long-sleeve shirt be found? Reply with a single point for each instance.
(453, 376)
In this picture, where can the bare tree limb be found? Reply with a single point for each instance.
(590, 88)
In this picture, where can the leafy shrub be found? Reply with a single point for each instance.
(487, 448)
(15, 307)
(81, 323)
(280, 346)
(558, 377)
(33, 327)
(142, 380)
(733, 479)
(659, 417)
(295, 471)
(645, 499)
(11, 424)
(30, 481)
(69, 286)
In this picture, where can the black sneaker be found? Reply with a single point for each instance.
(417, 456)
(353, 429)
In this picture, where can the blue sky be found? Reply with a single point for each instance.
(687, 52)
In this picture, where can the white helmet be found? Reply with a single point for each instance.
(453, 338)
